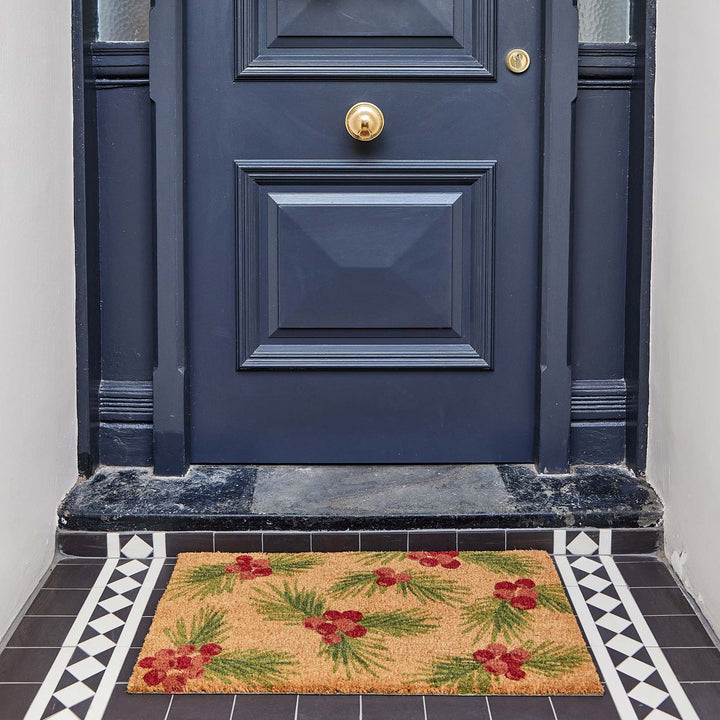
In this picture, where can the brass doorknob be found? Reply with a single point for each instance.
(364, 121)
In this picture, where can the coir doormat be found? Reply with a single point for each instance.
(389, 623)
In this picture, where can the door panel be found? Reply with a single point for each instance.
(329, 38)
(344, 266)
(361, 302)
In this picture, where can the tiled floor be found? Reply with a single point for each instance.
(74, 649)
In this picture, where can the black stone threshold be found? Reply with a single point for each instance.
(359, 497)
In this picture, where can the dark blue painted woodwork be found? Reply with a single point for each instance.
(390, 380)
(601, 326)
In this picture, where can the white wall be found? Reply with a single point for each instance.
(685, 316)
(37, 331)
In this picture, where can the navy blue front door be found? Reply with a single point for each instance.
(362, 302)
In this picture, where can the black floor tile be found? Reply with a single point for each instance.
(662, 601)
(679, 631)
(645, 574)
(57, 602)
(84, 544)
(264, 707)
(153, 601)
(435, 540)
(456, 708)
(705, 698)
(481, 540)
(81, 560)
(128, 665)
(165, 574)
(18, 665)
(41, 632)
(637, 541)
(123, 706)
(329, 707)
(73, 576)
(520, 708)
(530, 540)
(383, 541)
(335, 542)
(194, 707)
(585, 708)
(142, 631)
(238, 542)
(286, 542)
(180, 542)
(15, 700)
(621, 559)
(695, 664)
(392, 707)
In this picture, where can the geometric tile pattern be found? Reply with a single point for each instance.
(83, 675)
(636, 673)
(635, 670)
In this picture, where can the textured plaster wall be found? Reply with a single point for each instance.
(37, 329)
(685, 316)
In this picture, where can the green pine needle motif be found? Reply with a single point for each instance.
(399, 623)
(357, 655)
(496, 617)
(552, 597)
(208, 626)
(255, 668)
(504, 563)
(197, 583)
(288, 605)
(293, 563)
(554, 660)
(462, 673)
(425, 587)
(382, 558)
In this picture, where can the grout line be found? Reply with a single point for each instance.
(232, 709)
(553, 708)
(311, 537)
(167, 714)
(487, 702)
(506, 547)
(361, 717)
(424, 708)
(262, 542)
(297, 706)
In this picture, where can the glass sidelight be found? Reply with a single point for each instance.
(123, 20)
(601, 21)
(604, 21)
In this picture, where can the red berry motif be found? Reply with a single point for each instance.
(248, 568)
(521, 594)
(497, 660)
(447, 559)
(334, 624)
(387, 577)
(173, 668)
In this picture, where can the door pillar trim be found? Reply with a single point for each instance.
(170, 377)
(560, 78)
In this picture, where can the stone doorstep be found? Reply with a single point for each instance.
(359, 498)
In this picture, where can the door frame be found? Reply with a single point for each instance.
(170, 378)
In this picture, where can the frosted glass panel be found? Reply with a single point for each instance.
(123, 20)
(604, 21)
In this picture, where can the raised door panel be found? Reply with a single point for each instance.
(344, 266)
(374, 38)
